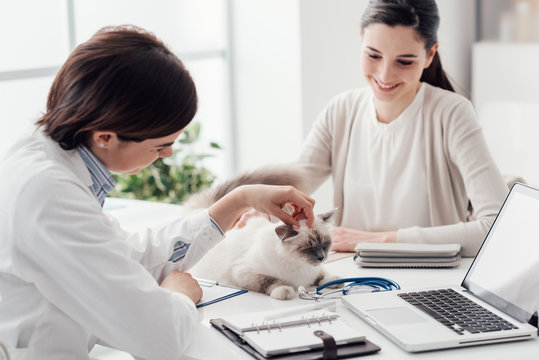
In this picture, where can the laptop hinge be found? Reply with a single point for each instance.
(533, 321)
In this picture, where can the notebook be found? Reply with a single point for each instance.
(378, 255)
(501, 281)
(271, 336)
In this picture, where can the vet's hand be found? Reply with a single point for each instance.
(183, 283)
(272, 200)
(346, 239)
(250, 213)
(267, 200)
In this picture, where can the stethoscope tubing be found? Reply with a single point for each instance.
(380, 284)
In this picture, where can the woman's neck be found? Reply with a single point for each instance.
(388, 111)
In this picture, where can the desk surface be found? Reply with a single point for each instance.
(221, 348)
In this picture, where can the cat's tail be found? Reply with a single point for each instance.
(268, 175)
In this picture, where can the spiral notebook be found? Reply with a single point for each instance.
(290, 334)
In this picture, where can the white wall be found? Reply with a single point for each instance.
(456, 37)
(330, 50)
(267, 72)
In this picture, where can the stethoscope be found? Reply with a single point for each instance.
(367, 284)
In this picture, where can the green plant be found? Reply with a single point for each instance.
(172, 179)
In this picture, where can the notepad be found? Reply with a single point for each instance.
(407, 255)
(290, 334)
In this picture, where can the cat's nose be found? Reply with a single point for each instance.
(320, 256)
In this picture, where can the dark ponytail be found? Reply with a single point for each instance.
(435, 75)
(420, 15)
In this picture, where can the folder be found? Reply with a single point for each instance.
(295, 336)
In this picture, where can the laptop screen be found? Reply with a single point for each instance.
(505, 272)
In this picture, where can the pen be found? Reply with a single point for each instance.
(300, 310)
(206, 282)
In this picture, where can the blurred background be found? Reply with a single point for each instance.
(264, 69)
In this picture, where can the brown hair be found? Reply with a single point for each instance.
(420, 15)
(125, 80)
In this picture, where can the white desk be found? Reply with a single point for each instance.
(209, 344)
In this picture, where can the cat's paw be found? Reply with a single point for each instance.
(283, 292)
(330, 277)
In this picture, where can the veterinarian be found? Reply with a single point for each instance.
(406, 154)
(69, 275)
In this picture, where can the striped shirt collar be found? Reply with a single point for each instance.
(103, 183)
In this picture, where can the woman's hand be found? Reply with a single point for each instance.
(241, 221)
(267, 200)
(183, 283)
(346, 239)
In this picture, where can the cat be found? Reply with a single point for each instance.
(273, 259)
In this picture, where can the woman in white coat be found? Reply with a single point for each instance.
(69, 275)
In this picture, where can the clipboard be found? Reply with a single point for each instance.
(213, 292)
(343, 351)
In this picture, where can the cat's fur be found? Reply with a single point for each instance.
(269, 258)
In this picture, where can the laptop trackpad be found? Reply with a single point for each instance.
(396, 316)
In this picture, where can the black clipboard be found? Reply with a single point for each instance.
(343, 351)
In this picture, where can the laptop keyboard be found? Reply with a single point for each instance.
(457, 312)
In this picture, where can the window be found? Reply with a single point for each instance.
(37, 37)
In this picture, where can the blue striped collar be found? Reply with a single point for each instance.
(103, 183)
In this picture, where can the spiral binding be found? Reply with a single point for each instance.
(308, 320)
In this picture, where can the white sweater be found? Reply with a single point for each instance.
(415, 175)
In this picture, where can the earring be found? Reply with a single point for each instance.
(102, 145)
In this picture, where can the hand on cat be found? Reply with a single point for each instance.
(272, 200)
(183, 283)
(266, 199)
(346, 239)
(250, 213)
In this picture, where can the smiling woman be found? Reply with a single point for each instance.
(406, 154)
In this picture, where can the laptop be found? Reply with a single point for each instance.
(494, 303)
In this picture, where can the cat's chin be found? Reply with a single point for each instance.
(315, 262)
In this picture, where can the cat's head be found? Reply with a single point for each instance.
(310, 244)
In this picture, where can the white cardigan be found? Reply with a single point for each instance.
(459, 167)
(70, 277)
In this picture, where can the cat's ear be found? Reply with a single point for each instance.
(328, 216)
(285, 232)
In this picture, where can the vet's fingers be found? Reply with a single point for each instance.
(284, 216)
(304, 212)
(303, 207)
(299, 215)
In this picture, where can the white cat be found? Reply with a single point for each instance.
(269, 258)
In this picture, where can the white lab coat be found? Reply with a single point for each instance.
(71, 277)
